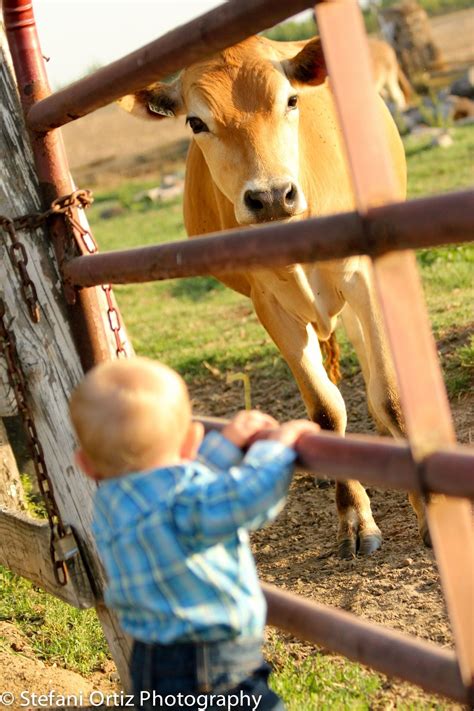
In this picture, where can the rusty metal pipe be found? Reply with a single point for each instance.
(222, 27)
(51, 167)
(449, 471)
(392, 653)
(392, 227)
(381, 461)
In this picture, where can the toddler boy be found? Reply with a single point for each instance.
(171, 517)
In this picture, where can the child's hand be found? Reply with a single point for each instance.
(289, 433)
(246, 426)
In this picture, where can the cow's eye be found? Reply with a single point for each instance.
(293, 102)
(197, 126)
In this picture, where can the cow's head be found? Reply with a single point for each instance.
(243, 108)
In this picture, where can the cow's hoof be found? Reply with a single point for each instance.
(425, 535)
(369, 543)
(347, 548)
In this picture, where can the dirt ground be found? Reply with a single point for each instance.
(21, 671)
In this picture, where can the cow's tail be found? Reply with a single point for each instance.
(331, 351)
(405, 85)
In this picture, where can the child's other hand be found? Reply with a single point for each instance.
(290, 432)
(246, 426)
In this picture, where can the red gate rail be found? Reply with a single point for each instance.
(381, 461)
(383, 229)
(389, 652)
(222, 27)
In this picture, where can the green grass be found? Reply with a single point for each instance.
(58, 633)
(325, 682)
(432, 169)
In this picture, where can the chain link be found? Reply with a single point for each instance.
(17, 251)
(114, 322)
(18, 383)
(19, 259)
(61, 206)
(88, 244)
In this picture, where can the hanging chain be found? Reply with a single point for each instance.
(17, 251)
(19, 258)
(78, 198)
(64, 205)
(63, 547)
(88, 244)
(18, 383)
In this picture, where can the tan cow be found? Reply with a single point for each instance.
(267, 146)
(390, 80)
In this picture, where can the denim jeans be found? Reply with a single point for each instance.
(202, 676)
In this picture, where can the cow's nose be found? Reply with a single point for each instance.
(277, 202)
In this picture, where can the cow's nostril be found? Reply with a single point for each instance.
(290, 195)
(252, 201)
(279, 201)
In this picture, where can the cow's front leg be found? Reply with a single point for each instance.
(363, 323)
(299, 345)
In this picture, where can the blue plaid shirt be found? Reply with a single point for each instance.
(175, 546)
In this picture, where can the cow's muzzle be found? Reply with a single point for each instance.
(277, 202)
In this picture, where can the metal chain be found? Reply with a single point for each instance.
(19, 259)
(65, 206)
(88, 244)
(17, 251)
(60, 534)
(114, 322)
(78, 198)
(18, 383)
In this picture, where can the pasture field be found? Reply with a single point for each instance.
(208, 332)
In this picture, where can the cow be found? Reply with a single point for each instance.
(390, 80)
(266, 146)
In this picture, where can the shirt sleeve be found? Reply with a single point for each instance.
(244, 496)
(219, 453)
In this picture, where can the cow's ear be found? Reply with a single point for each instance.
(157, 101)
(308, 66)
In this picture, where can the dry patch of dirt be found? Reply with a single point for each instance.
(21, 672)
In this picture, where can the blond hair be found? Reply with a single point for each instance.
(126, 413)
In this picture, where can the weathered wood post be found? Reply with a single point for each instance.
(51, 365)
(11, 490)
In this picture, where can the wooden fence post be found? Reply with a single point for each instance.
(46, 349)
(11, 490)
